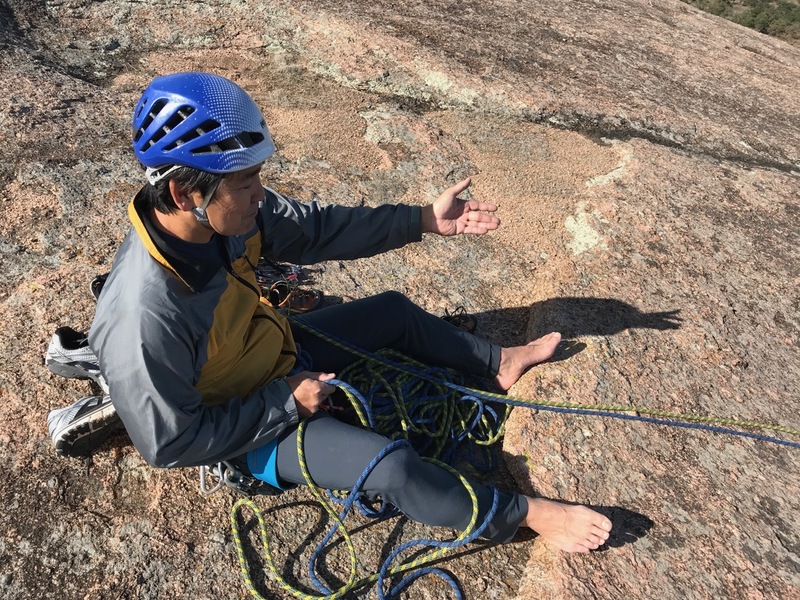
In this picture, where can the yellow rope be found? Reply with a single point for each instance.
(371, 370)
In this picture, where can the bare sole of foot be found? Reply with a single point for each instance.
(571, 528)
(515, 361)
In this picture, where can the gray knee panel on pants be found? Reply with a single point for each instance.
(337, 455)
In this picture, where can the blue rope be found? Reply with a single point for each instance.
(413, 409)
(701, 426)
(356, 497)
(408, 579)
(352, 497)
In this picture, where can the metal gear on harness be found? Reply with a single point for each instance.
(227, 474)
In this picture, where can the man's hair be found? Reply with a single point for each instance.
(188, 179)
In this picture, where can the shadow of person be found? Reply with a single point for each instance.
(574, 317)
(567, 349)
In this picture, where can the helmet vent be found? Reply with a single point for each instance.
(155, 108)
(248, 139)
(178, 117)
(245, 139)
(202, 129)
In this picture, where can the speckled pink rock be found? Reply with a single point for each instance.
(646, 160)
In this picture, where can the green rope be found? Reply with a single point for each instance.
(408, 400)
(412, 369)
(353, 582)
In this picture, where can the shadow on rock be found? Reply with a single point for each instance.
(567, 349)
(596, 316)
(572, 317)
(252, 544)
(628, 526)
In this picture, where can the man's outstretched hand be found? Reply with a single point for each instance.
(449, 215)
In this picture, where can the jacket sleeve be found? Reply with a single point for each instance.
(306, 233)
(150, 379)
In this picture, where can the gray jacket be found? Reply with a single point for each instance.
(194, 357)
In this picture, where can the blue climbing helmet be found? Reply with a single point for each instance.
(198, 120)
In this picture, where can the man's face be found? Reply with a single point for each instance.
(233, 209)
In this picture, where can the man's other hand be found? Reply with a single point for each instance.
(310, 391)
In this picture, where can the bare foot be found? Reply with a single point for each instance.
(515, 361)
(568, 527)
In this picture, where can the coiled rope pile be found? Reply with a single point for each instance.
(445, 421)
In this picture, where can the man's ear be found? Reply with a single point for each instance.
(183, 200)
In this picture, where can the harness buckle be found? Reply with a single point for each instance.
(228, 475)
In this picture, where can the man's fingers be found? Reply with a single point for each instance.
(326, 388)
(478, 229)
(318, 375)
(477, 217)
(475, 205)
(459, 187)
(478, 223)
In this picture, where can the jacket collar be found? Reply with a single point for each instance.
(195, 274)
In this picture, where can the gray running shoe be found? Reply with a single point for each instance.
(79, 429)
(69, 355)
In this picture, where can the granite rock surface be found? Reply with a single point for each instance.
(646, 160)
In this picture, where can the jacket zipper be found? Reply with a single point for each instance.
(228, 266)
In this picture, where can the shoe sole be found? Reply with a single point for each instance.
(96, 285)
(75, 370)
(83, 438)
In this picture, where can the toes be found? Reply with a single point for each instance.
(601, 531)
(596, 541)
(553, 337)
(546, 339)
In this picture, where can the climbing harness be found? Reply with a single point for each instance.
(421, 406)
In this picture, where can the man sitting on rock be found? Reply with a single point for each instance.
(201, 369)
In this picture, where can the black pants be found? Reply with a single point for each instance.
(337, 453)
